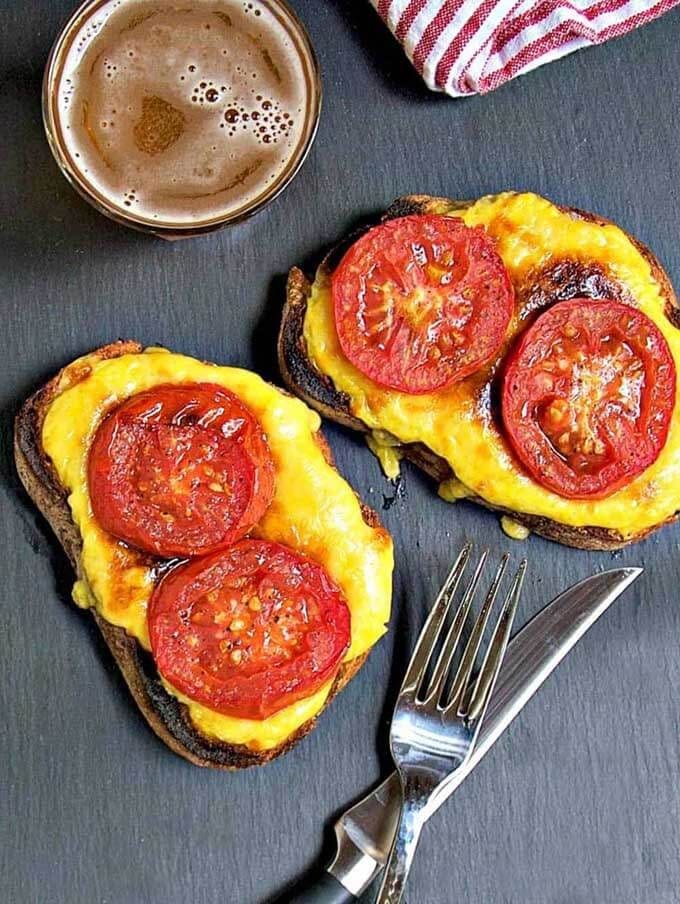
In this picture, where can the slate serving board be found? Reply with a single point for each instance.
(580, 801)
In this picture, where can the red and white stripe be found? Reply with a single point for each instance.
(473, 46)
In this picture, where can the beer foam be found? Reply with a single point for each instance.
(182, 113)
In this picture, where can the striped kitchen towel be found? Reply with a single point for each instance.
(473, 46)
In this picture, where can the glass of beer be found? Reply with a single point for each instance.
(180, 117)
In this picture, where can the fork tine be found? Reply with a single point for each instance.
(472, 648)
(496, 650)
(448, 650)
(430, 632)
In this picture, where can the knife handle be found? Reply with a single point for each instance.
(323, 889)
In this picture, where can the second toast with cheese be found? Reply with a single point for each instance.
(552, 254)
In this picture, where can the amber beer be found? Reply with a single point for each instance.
(178, 117)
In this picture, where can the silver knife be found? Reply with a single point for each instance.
(364, 833)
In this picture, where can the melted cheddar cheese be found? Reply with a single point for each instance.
(314, 511)
(456, 423)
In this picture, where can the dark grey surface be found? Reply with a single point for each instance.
(579, 803)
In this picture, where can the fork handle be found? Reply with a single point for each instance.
(324, 889)
(411, 822)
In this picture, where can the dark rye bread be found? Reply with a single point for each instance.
(165, 714)
(562, 280)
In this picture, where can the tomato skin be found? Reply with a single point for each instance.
(249, 630)
(180, 470)
(421, 302)
(588, 396)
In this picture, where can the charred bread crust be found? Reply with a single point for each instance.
(298, 370)
(168, 718)
(562, 280)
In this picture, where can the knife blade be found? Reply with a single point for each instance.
(364, 833)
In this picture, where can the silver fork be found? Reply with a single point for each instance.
(434, 731)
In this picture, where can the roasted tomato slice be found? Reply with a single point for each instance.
(421, 302)
(248, 630)
(180, 470)
(588, 396)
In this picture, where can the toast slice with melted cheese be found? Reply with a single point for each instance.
(552, 254)
(184, 728)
